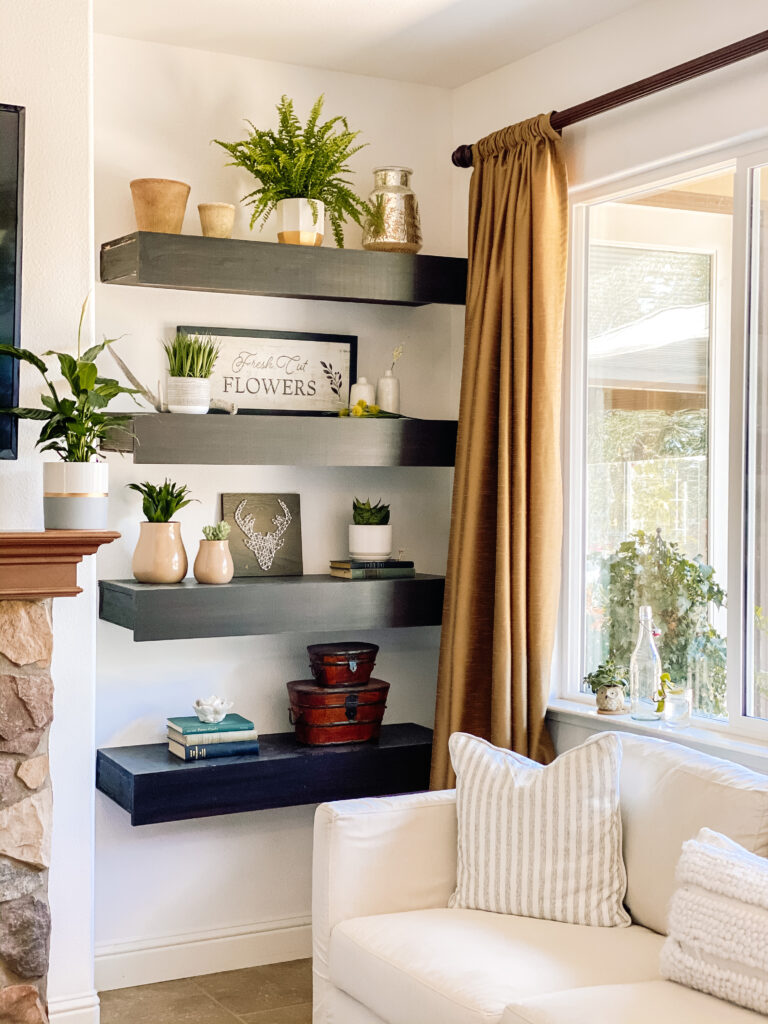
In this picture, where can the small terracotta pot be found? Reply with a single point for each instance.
(216, 219)
(159, 556)
(214, 562)
(159, 204)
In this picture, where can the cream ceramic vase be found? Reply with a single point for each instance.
(388, 392)
(159, 556)
(191, 395)
(300, 222)
(214, 562)
(369, 543)
(216, 219)
(75, 495)
(159, 204)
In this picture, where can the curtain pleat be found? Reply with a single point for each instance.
(503, 575)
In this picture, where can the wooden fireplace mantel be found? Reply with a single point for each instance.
(44, 564)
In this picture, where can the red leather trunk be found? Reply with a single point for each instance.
(342, 664)
(324, 715)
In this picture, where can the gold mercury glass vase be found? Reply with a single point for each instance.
(399, 229)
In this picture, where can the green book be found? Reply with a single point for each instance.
(189, 725)
(372, 574)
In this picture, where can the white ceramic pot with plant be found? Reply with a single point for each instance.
(190, 364)
(159, 556)
(301, 172)
(213, 563)
(610, 688)
(370, 533)
(73, 427)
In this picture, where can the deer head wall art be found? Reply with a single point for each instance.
(266, 533)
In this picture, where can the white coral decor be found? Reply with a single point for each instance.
(212, 709)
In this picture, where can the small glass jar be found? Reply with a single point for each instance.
(677, 707)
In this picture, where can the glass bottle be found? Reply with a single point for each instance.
(645, 672)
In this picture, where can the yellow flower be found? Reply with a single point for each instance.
(343, 412)
(361, 404)
(357, 410)
(374, 410)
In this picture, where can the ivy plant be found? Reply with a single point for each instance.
(649, 570)
(301, 162)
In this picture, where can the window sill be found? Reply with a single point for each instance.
(749, 753)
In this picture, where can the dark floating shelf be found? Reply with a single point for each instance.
(256, 440)
(255, 605)
(195, 263)
(154, 786)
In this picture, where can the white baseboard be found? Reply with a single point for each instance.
(82, 1009)
(125, 964)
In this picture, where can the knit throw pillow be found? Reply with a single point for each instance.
(540, 841)
(718, 922)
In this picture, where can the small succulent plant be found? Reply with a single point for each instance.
(365, 514)
(162, 501)
(218, 532)
(607, 674)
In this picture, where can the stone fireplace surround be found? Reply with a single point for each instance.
(34, 568)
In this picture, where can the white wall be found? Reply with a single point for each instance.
(156, 117)
(45, 66)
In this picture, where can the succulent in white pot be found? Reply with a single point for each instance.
(370, 532)
(73, 427)
(190, 364)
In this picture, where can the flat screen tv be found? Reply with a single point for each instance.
(11, 176)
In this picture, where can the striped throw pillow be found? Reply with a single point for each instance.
(540, 841)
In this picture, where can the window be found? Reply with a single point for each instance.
(667, 479)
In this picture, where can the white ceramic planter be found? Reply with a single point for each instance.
(159, 556)
(362, 389)
(297, 223)
(388, 393)
(190, 395)
(75, 495)
(369, 543)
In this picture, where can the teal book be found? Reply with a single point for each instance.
(205, 751)
(189, 725)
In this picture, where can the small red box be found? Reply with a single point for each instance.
(324, 715)
(344, 664)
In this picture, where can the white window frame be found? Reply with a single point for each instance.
(569, 658)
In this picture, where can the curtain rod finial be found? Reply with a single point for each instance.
(462, 156)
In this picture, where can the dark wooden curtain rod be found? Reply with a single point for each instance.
(462, 156)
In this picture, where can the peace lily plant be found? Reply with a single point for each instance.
(74, 428)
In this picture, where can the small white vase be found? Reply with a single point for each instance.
(75, 495)
(300, 221)
(362, 390)
(190, 395)
(388, 393)
(369, 543)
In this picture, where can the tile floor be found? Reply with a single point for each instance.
(275, 994)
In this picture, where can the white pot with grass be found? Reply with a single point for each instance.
(370, 533)
(190, 364)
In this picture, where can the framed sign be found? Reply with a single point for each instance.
(282, 371)
(11, 174)
(266, 533)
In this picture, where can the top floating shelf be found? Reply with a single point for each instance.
(195, 263)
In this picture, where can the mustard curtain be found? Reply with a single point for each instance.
(503, 572)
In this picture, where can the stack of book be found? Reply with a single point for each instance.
(193, 740)
(386, 569)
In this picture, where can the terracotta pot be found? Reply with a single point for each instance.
(159, 556)
(191, 395)
(75, 495)
(370, 542)
(216, 219)
(159, 204)
(214, 562)
(300, 222)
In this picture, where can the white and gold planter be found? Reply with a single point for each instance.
(300, 222)
(75, 495)
(189, 395)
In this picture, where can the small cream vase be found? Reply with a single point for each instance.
(214, 562)
(191, 395)
(159, 556)
(388, 392)
(297, 223)
(216, 219)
